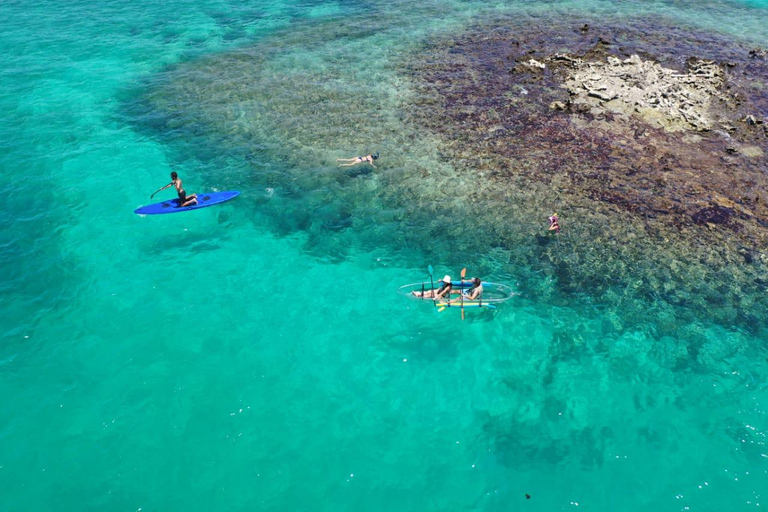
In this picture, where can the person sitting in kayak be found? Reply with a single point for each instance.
(476, 291)
(553, 225)
(446, 287)
(184, 200)
(349, 162)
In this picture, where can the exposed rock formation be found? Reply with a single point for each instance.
(664, 97)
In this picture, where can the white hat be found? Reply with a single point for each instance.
(447, 279)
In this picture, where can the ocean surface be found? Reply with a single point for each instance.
(256, 355)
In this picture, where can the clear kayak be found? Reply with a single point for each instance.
(493, 294)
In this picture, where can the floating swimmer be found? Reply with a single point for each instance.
(349, 162)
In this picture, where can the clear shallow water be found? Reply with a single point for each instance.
(235, 358)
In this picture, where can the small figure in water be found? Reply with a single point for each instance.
(446, 287)
(183, 199)
(553, 225)
(349, 162)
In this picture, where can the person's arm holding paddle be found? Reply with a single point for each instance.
(174, 181)
(161, 189)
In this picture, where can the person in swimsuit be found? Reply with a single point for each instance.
(349, 162)
(553, 225)
(446, 287)
(476, 291)
(184, 200)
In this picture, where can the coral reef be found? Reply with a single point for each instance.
(648, 139)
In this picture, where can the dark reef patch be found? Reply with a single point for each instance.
(495, 112)
(713, 215)
(653, 204)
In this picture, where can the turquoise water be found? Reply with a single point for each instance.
(256, 355)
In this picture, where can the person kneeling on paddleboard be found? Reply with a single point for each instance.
(445, 290)
(184, 200)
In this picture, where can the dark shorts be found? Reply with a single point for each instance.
(182, 197)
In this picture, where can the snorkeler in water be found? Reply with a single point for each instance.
(349, 162)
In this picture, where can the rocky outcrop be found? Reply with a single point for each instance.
(664, 97)
(652, 137)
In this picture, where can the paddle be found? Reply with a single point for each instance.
(158, 190)
(432, 284)
(461, 291)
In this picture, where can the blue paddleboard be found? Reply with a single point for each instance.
(172, 205)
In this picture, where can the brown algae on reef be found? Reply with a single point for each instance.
(636, 131)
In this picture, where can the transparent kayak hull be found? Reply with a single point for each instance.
(493, 294)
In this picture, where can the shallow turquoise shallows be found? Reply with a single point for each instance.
(230, 359)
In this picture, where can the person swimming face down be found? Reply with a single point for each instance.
(349, 162)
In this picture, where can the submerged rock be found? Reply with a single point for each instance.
(712, 215)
